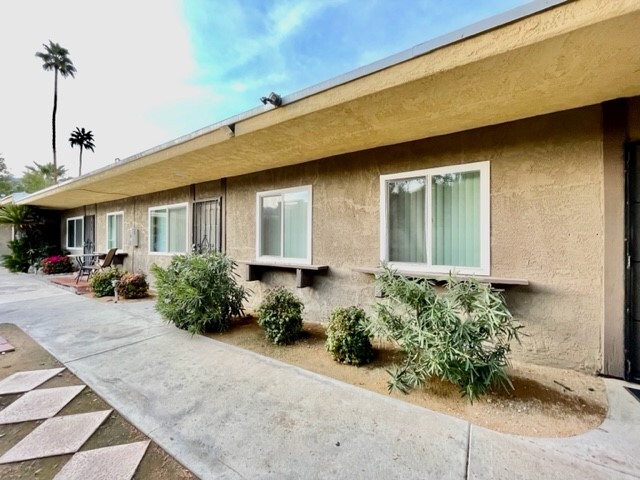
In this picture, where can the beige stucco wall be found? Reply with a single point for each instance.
(546, 224)
(6, 232)
(136, 216)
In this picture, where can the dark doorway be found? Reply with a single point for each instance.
(207, 226)
(632, 326)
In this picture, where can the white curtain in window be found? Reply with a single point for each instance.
(295, 224)
(271, 226)
(456, 219)
(114, 230)
(406, 210)
(159, 231)
(178, 229)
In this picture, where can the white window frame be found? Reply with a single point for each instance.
(485, 221)
(282, 259)
(67, 233)
(186, 232)
(113, 214)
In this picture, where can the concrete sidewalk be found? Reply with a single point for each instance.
(224, 412)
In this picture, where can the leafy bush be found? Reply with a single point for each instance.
(347, 336)
(28, 247)
(56, 264)
(133, 285)
(280, 314)
(101, 282)
(462, 335)
(199, 292)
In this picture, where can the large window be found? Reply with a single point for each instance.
(437, 220)
(284, 225)
(115, 225)
(75, 232)
(168, 229)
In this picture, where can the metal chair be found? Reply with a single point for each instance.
(89, 268)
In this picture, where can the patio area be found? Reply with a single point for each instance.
(69, 282)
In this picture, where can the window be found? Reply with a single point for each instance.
(437, 220)
(168, 229)
(284, 225)
(115, 225)
(75, 232)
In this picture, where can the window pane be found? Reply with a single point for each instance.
(456, 219)
(119, 231)
(295, 224)
(79, 233)
(158, 230)
(178, 229)
(71, 232)
(406, 210)
(270, 225)
(114, 231)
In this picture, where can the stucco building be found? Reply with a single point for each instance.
(497, 152)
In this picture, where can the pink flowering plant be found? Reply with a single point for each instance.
(56, 264)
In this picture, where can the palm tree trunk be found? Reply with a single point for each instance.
(80, 169)
(53, 126)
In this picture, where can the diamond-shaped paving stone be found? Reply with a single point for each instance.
(38, 404)
(111, 463)
(56, 436)
(24, 381)
(5, 346)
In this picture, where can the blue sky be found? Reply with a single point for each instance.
(150, 71)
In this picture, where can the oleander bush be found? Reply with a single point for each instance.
(199, 292)
(101, 282)
(133, 285)
(347, 336)
(56, 264)
(461, 335)
(280, 315)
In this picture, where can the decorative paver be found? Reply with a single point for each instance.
(39, 404)
(24, 381)
(56, 436)
(5, 346)
(111, 463)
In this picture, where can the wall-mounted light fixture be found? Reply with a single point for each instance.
(273, 98)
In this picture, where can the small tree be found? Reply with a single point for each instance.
(462, 335)
(28, 247)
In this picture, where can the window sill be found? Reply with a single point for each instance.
(439, 277)
(304, 273)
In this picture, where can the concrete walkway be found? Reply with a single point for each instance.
(227, 413)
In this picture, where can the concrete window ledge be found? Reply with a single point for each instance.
(304, 273)
(439, 277)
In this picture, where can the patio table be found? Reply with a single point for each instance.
(83, 259)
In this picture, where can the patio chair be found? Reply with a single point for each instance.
(89, 268)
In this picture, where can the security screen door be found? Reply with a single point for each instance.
(207, 226)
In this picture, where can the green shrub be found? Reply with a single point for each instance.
(347, 336)
(133, 285)
(280, 315)
(56, 264)
(199, 292)
(462, 335)
(101, 282)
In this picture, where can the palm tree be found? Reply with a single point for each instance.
(84, 139)
(41, 176)
(56, 58)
